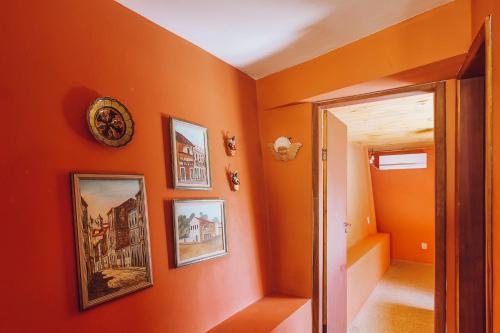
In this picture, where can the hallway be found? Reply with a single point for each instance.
(403, 301)
(251, 166)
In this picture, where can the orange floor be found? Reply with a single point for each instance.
(403, 301)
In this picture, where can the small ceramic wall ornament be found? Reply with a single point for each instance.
(110, 122)
(283, 149)
(234, 181)
(230, 142)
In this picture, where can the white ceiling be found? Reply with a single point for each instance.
(262, 37)
(390, 124)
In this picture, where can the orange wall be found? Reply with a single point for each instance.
(289, 195)
(404, 204)
(481, 8)
(360, 203)
(55, 59)
(430, 37)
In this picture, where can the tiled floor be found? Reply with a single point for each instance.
(402, 302)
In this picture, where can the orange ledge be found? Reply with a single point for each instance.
(367, 262)
(276, 314)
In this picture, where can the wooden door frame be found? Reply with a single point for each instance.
(319, 197)
(488, 174)
(484, 39)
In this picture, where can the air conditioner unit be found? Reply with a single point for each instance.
(402, 161)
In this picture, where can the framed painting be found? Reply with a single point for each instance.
(190, 156)
(199, 230)
(112, 236)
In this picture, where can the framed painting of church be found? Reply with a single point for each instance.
(199, 230)
(190, 156)
(112, 236)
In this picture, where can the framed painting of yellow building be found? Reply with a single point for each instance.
(112, 236)
(199, 230)
(190, 155)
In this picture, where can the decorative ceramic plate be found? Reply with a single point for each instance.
(110, 122)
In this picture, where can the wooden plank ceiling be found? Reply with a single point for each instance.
(390, 124)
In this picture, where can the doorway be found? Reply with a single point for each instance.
(387, 131)
(390, 227)
(470, 190)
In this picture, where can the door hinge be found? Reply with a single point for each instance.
(324, 154)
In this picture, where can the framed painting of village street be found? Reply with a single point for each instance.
(190, 155)
(199, 230)
(112, 236)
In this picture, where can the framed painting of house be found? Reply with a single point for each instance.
(112, 236)
(199, 230)
(190, 155)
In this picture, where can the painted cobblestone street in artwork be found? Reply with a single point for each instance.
(111, 280)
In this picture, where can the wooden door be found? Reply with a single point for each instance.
(335, 238)
(473, 181)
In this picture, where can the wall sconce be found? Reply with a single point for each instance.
(371, 159)
(283, 149)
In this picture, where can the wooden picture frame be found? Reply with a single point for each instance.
(113, 251)
(190, 155)
(200, 231)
